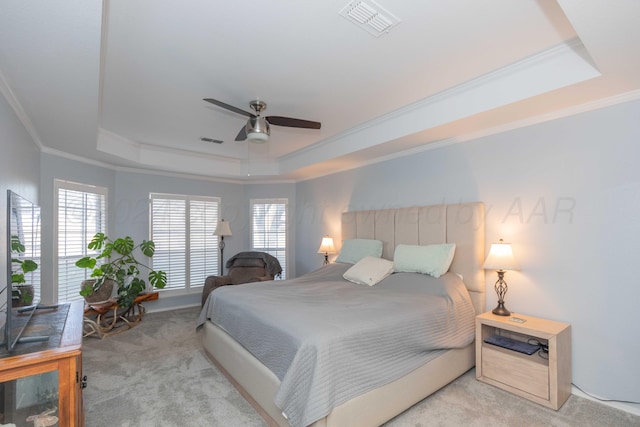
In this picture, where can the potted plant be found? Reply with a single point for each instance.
(120, 265)
(21, 292)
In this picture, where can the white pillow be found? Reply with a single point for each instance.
(354, 250)
(433, 260)
(369, 271)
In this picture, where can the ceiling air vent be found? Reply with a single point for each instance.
(370, 16)
(215, 141)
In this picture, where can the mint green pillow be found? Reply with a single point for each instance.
(433, 260)
(353, 250)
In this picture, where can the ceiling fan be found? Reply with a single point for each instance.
(257, 127)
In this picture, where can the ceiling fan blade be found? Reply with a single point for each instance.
(242, 135)
(229, 107)
(292, 123)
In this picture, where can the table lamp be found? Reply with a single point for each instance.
(501, 258)
(326, 248)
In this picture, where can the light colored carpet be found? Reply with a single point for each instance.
(156, 374)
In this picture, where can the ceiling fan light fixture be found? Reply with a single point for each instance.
(257, 137)
(257, 130)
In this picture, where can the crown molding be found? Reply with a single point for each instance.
(158, 172)
(158, 157)
(568, 48)
(565, 112)
(561, 66)
(447, 106)
(76, 158)
(578, 109)
(530, 121)
(16, 106)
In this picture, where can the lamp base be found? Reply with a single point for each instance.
(222, 255)
(500, 310)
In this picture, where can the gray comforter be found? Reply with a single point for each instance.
(329, 340)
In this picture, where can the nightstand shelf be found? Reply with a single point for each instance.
(545, 380)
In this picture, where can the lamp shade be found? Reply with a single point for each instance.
(222, 229)
(326, 247)
(501, 257)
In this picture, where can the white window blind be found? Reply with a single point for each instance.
(81, 213)
(269, 228)
(182, 229)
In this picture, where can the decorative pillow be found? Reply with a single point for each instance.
(369, 271)
(355, 249)
(433, 260)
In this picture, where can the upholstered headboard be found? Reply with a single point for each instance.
(462, 224)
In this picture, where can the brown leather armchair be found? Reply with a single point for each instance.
(244, 267)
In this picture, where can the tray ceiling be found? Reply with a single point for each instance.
(121, 82)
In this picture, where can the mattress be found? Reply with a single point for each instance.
(329, 340)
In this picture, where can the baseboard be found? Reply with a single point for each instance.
(167, 301)
(631, 408)
(169, 308)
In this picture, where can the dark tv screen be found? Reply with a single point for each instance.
(23, 244)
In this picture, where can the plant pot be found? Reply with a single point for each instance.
(103, 294)
(22, 295)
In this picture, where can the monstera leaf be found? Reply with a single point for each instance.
(116, 260)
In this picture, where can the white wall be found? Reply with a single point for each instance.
(19, 172)
(565, 193)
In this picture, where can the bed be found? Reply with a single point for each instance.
(378, 399)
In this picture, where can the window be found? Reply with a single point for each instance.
(182, 229)
(81, 213)
(269, 228)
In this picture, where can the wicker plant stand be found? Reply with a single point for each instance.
(105, 319)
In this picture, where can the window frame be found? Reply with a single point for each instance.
(59, 184)
(275, 201)
(188, 289)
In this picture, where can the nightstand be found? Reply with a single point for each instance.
(541, 378)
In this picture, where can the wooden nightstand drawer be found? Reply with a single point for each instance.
(524, 373)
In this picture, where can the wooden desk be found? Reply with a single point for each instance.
(108, 318)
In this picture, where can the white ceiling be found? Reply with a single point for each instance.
(121, 82)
